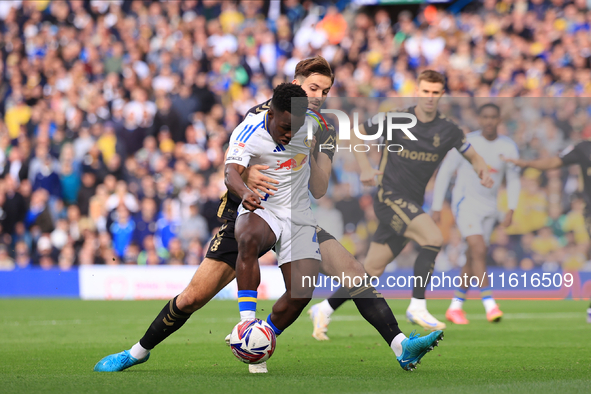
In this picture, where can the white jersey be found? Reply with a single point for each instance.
(251, 143)
(468, 188)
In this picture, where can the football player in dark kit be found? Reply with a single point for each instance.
(578, 154)
(401, 180)
(218, 267)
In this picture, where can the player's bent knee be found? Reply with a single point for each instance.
(190, 301)
(248, 245)
(374, 271)
(476, 246)
(478, 251)
(434, 238)
(299, 303)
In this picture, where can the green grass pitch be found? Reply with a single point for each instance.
(49, 346)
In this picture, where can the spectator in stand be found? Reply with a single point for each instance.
(82, 94)
(146, 223)
(122, 230)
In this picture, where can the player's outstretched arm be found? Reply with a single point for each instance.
(368, 173)
(235, 184)
(513, 178)
(547, 163)
(450, 164)
(479, 166)
(258, 182)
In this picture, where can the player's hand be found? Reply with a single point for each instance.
(251, 201)
(368, 177)
(436, 215)
(517, 162)
(258, 182)
(508, 219)
(485, 179)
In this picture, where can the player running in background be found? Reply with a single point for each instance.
(474, 206)
(217, 269)
(578, 154)
(402, 179)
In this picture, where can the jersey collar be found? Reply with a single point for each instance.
(266, 122)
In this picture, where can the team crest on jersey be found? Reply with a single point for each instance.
(307, 142)
(436, 140)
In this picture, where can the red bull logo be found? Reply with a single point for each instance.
(295, 163)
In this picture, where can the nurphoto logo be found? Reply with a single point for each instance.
(344, 130)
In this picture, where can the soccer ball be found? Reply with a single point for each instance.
(252, 341)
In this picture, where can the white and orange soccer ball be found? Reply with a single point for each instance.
(252, 341)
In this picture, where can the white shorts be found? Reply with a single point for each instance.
(473, 219)
(294, 242)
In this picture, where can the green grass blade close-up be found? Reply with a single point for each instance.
(52, 346)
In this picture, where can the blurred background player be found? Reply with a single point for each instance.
(475, 206)
(578, 154)
(402, 179)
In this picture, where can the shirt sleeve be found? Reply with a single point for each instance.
(449, 165)
(460, 141)
(326, 139)
(512, 175)
(242, 148)
(570, 155)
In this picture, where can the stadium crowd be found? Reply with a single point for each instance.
(115, 116)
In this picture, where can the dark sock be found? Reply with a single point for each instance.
(424, 266)
(170, 319)
(374, 308)
(339, 297)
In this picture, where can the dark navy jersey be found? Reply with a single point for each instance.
(406, 173)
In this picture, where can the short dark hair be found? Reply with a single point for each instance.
(282, 96)
(431, 76)
(489, 105)
(314, 65)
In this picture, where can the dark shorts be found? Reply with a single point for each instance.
(394, 214)
(323, 235)
(223, 246)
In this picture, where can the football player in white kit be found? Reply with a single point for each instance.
(475, 206)
(284, 220)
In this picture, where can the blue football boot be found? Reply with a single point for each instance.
(415, 347)
(118, 362)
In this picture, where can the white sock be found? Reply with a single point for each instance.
(325, 307)
(489, 304)
(137, 351)
(416, 303)
(247, 315)
(456, 303)
(396, 344)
